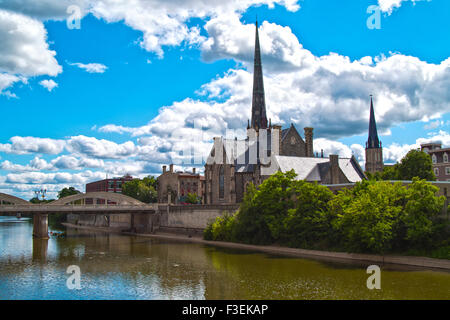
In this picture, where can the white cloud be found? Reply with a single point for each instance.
(26, 145)
(91, 67)
(24, 51)
(389, 5)
(44, 9)
(48, 84)
(100, 148)
(163, 23)
(6, 81)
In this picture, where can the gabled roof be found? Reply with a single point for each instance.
(313, 169)
(285, 132)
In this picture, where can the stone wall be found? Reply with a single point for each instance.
(185, 218)
(114, 221)
(192, 216)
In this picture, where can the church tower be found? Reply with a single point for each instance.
(374, 149)
(259, 118)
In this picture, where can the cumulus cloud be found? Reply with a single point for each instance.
(48, 84)
(163, 23)
(100, 148)
(24, 51)
(91, 67)
(26, 145)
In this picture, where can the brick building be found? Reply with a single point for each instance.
(173, 186)
(440, 158)
(108, 185)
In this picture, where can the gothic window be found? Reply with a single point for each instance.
(221, 183)
(433, 158)
(436, 171)
(445, 157)
(292, 140)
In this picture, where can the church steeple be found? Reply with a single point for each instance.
(374, 150)
(373, 141)
(259, 118)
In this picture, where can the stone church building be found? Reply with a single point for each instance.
(232, 164)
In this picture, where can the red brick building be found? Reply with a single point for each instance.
(440, 158)
(108, 185)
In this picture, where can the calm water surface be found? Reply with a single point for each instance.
(125, 267)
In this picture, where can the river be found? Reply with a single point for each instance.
(126, 267)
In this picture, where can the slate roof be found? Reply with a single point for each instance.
(313, 169)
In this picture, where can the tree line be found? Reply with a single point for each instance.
(373, 217)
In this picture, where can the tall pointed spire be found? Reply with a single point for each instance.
(373, 141)
(259, 118)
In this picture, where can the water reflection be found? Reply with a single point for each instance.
(124, 267)
(40, 248)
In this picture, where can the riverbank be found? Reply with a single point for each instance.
(422, 262)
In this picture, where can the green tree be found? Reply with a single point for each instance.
(308, 225)
(142, 189)
(368, 220)
(36, 200)
(416, 164)
(67, 192)
(390, 173)
(421, 211)
(192, 198)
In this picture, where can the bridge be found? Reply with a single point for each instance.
(85, 203)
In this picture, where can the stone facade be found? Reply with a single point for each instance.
(173, 187)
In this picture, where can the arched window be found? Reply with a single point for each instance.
(445, 157)
(221, 183)
(433, 158)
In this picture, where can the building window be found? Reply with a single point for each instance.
(433, 158)
(221, 183)
(447, 171)
(436, 171)
(445, 157)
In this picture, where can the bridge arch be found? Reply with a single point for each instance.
(6, 198)
(118, 198)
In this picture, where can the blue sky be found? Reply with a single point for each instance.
(165, 64)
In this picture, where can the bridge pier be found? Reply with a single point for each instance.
(40, 225)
